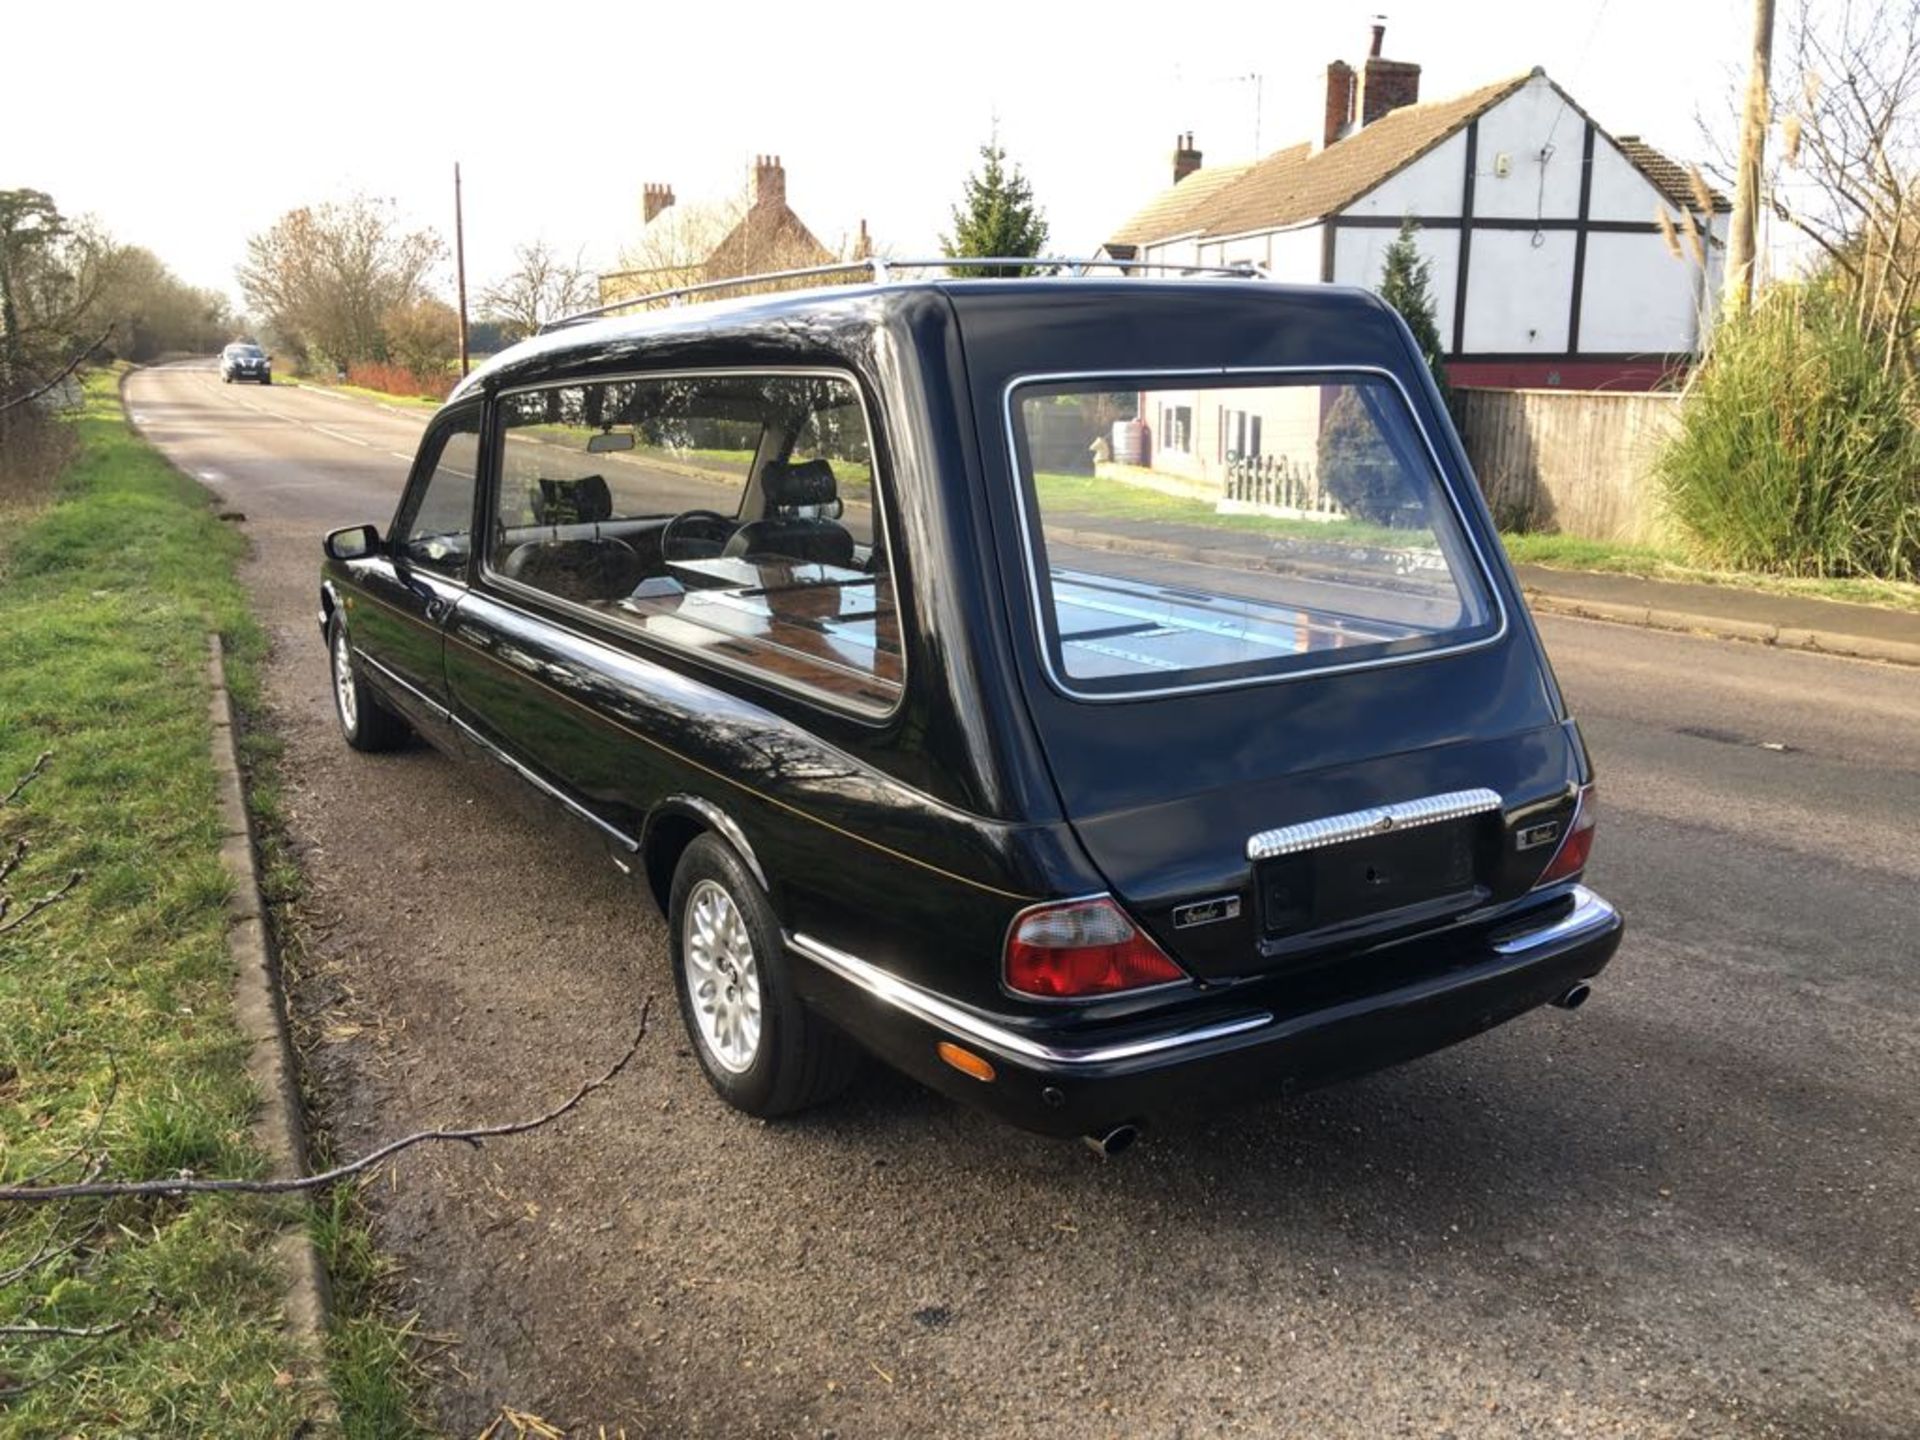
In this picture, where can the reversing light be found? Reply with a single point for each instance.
(1576, 845)
(1081, 948)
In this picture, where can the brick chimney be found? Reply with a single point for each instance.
(654, 199)
(769, 181)
(1384, 84)
(1186, 159)
(1339, 102)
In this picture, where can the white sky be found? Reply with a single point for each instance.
(186, 127)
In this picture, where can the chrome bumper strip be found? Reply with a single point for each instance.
(1375, 820)
(1589, 913)
(1008, 1044)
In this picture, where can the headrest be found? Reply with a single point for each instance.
(566, 502)
(809, 482)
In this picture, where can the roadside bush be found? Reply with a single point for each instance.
(399, 380)
(1798, 449)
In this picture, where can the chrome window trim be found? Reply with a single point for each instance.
(1024, 491)
(1590, 912)
(883, 509)
(935, 1010)
(1374, 820)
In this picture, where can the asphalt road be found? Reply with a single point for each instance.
(1690, 1209)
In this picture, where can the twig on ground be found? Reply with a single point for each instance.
(45, 902)
(189, 1185)
(27, 779)
(60, 1332)
(12, 862)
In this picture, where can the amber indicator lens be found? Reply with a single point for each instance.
(965, 1061)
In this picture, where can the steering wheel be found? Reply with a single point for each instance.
(699, 534)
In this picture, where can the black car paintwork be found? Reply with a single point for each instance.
(914, 840)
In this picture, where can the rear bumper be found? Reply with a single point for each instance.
(1067, 1080)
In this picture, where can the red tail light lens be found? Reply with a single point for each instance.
(1084, 947)
(1576, 845)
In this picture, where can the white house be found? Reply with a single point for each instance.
(1551, 243)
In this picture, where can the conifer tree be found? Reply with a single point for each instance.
(996, 215)
(1407, 285)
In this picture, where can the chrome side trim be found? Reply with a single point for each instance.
(1009, 1044)
(412, 689)
(1589, 913)
(1375, 820)
(547, 788)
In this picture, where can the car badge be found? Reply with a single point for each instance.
(1206, 912)
(1534, 836)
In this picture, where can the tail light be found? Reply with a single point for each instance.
(1081, 948)
(1576, 845)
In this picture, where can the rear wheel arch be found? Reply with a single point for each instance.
(673, 825)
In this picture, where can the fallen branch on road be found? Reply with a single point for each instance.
(190, 1185)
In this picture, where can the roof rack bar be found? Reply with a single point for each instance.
(883, 270)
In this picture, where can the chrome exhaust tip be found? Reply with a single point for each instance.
(1112, 1142)
(1575, 997)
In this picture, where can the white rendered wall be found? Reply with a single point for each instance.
(1430, 186)
(1519, 128)
(1359, 258)
(1637, 299)
(1519, 293)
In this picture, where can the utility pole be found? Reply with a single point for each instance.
(460, 264)
(1737, 297)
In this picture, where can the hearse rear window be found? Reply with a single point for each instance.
(1211, 531)
(728, 514)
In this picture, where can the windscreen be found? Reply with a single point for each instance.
(1200, 532)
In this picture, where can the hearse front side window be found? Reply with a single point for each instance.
(1215, 530)
(435, 527)
(729, 514)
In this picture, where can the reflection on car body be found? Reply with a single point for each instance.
(1097, 698)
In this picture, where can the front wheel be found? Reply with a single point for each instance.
(365, 722)
(266, 379)
(762, 1050)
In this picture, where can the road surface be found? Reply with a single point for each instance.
(1690, 1209)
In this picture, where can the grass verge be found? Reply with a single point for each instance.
(116, 1032)
(404, 402)
(1569, 552)
(115, 1005)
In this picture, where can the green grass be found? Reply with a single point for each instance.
(1070, 500)
(108, 595)
(1569, 552)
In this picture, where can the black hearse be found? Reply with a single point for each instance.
(1097, 697)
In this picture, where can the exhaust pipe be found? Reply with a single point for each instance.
(1111, 1142)
(1575, 997)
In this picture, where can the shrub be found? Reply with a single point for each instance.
(1798, 448)
(399, 380)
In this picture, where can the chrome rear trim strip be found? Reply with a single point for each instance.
(1589, 913)
(1009, 1044)
(1375, 820)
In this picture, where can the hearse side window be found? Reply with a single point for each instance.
(728, 514)
(1314, 532)
(435, 526)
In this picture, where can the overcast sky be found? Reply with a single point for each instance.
(186, 127)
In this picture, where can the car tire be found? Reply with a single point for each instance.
(365, 721)
(266, 379)
(763, 1051)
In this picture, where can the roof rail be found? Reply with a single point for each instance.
(883, 270)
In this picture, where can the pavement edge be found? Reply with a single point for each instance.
(259, 1008)
(1720, 627)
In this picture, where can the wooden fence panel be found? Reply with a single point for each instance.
(1575, 461)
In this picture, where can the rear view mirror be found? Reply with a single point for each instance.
(355, 542)
(611, 440)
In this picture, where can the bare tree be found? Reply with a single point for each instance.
(541, 287)
(1852, 142)
(325, 277)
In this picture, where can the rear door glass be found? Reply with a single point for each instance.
(1217, 530)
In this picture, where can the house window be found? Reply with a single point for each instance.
(1176, 429)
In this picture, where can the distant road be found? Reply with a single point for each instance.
(1692, 1209)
